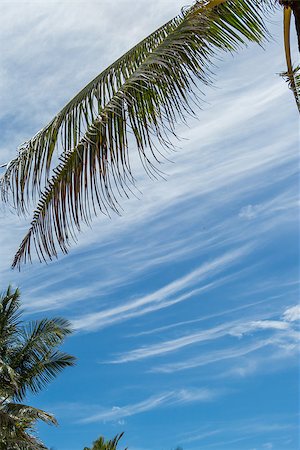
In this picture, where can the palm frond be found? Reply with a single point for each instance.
(146, 92)
(9, 315)
(32, 355)
(28, 414)
(73, 120)
(15, 427)
(112, 445)
(102, 444)
(40, 370)
(40, 337)
(9, 380)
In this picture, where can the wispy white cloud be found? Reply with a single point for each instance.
(165, 399)
(292, 314)
(249, 212)
(278, 353)
(268, 445)
(230, 232)
(38, 33)
(256, 325)
(236, 328)
(49, 291)
(279, 346)
(253, 427)
(268, 431)
(225, 312)
(161, 298)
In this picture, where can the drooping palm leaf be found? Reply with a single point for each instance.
(17, 422)
(28, 413)
(145, 92)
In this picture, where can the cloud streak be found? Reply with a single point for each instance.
(236, 329)
(165, 399)
(163, 297)
(279, 347)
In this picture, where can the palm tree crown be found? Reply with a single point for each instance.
(29, 360)
(101, 444)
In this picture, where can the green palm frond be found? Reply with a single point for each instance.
(40, 336)
(33, 356)
(28, 414)
(16, 426)
(9, 315)
(114, 442)
(9, 380)
(30, 352)
(40, 371)
(145, 92)
(102, 444)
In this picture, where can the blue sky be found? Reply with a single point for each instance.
(186, 307)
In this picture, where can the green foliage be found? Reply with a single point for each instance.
(101, 444)
(29, 360)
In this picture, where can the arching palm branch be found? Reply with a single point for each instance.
(145, 93)
(29, 360)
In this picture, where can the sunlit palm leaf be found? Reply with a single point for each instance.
(16, 421)
(28, 413)
(145, 93)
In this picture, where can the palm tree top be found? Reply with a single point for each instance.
(28, 353)
(29, 360)
(102, 444)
